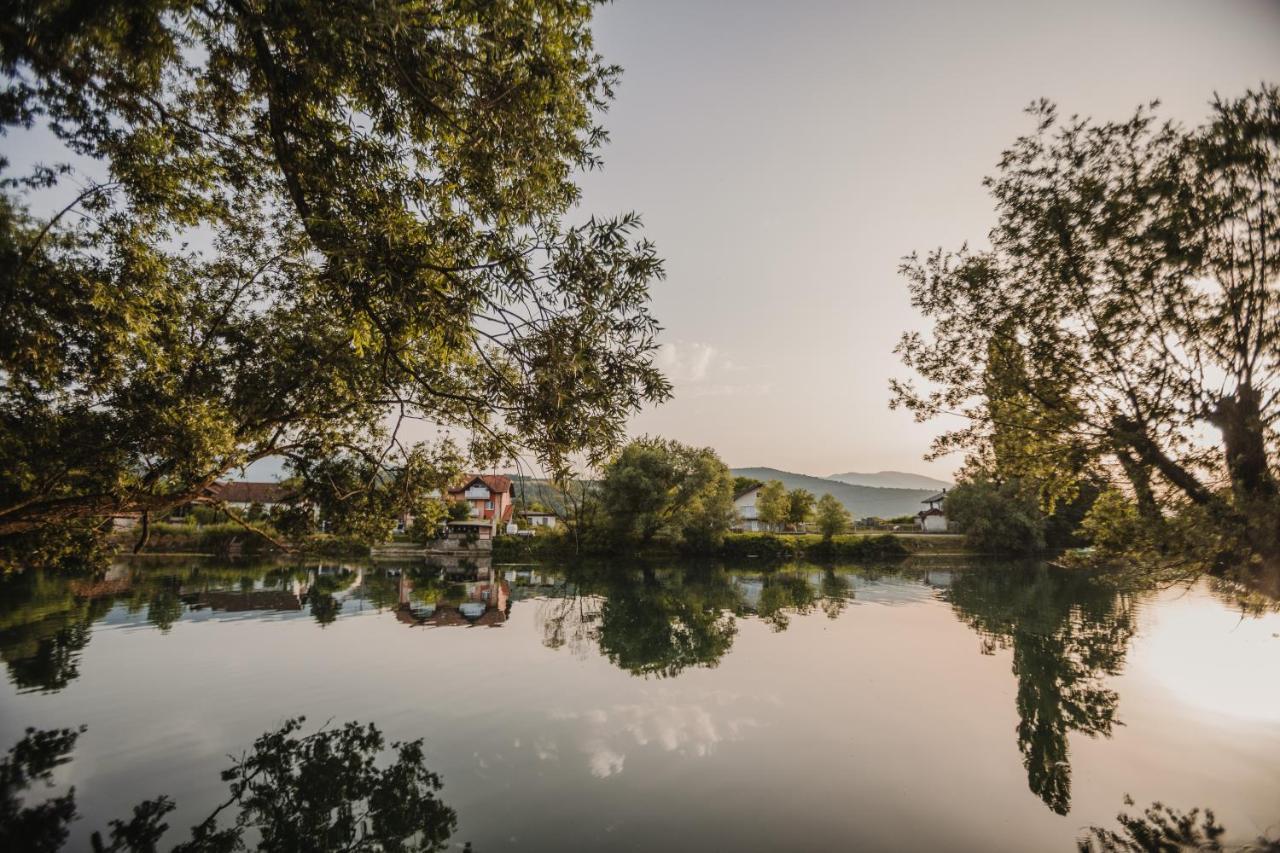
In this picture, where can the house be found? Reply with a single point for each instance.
(933, 519)
(744, 504)
(240, 496)
(491, 496)
(542, 519)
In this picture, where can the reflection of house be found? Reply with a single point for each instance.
(933, 519)
(490, 497)
(744, 503)
(483, 604)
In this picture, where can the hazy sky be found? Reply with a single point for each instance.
(786, 155)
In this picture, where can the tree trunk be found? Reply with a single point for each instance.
(1140, 478)
(1253, 484)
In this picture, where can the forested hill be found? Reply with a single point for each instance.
(861, 501)
(891, 480)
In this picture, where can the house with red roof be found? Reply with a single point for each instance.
(491, 496)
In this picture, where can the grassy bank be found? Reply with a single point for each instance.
(221, 540)
(736, 546)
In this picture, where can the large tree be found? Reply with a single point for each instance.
(292, 227)
(1128, 310)
(657, 490)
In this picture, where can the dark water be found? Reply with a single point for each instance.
(936, 706)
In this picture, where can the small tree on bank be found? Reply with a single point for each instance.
(799, 506)
(773, 504)
(833, 519)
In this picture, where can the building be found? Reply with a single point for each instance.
(933, 519)
(744, 504)
(542, 519)
(240, 496)
(491, 496)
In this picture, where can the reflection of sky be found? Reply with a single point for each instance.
(882, 729)
(605, 735)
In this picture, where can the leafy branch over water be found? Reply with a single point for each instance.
(321, 791)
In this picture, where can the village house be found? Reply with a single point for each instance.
(491, 496)
(933, 519)
(240, 496)
(748, 517)
(541, 519)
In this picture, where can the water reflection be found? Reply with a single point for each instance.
(1068, 632)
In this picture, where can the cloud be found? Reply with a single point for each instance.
(685, 362)
(700, 370)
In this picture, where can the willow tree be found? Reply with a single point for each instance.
(1132, 278)
(293, 226)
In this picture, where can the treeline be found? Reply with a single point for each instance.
(658, 495)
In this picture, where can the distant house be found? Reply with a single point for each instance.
(932, 519)
(541, 519)
(491, 496)
(748, 517)
(240, 496)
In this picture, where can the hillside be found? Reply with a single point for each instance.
(892, 480)
(861, 501)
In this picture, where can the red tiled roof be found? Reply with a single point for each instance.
(506, 513)
(249, 493)
(495, 483)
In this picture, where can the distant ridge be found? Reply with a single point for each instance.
(892, 480)
(861, 501)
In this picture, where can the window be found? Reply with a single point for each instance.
(488, 504)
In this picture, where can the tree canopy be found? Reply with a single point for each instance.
(833, 518)
(1126, 318)
(287, 229)
(657, 490)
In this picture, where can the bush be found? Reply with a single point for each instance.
(997, 518)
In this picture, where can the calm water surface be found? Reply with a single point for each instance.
(933, 706)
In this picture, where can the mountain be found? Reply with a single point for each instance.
(861, 501)
(892, 480)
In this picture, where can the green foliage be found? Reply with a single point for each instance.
(1113, 524)
(302, 217)
(800, 503)
(996, 518)
(773, 547)
(833, 518)
(458, 510)
(663, 492)
(1126, 310)
(773, 504)
(741, 484)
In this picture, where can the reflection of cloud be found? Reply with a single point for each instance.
(686, 729)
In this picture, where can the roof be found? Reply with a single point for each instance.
(742, 494)
(942, 495)
(927, 512)
(494, 482)
(506, 513)
(469, 522)
(249, 493)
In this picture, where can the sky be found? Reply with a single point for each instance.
(786, 156)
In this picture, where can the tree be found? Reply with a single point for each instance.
(773, 504)
(799, 506)
(301, 217)
(833, 518)
(997, 518)
(1129, 307)
(742, 484)
(659, 490)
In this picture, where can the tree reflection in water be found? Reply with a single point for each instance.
(1068, 632)
(327, 790)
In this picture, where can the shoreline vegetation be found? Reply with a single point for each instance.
(223, 540)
